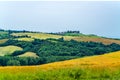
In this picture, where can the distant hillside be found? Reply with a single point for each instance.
(68, 36)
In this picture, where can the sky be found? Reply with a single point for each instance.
(89, 17)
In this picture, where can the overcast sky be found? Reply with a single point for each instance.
(101, 18)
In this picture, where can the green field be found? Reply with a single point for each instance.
(61, 74)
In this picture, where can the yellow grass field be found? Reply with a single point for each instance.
(7, 50)
(28, 54)
(98, 61)
(77, 38)
(101, 67)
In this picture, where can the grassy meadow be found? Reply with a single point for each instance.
(102, 67)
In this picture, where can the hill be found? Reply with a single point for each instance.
(63, 56)
(75, 35)
(102, 67)
(52, 47)
(105, 60)
(78, 37)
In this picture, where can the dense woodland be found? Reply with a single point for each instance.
(51, 50)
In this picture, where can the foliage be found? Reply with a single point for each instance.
(13, 63)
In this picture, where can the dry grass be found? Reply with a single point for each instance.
(106, 60)
(28, 54)
(8, 50)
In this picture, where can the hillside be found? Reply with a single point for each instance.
(105, 60)
(102, 67)
(79, 37)
(30, 36)
(48, 56)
